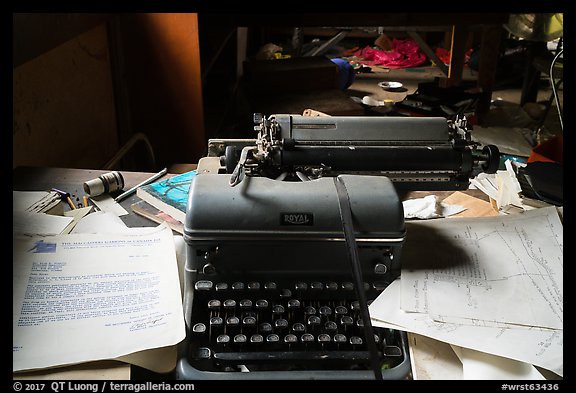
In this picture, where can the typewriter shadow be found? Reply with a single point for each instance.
(427, 247)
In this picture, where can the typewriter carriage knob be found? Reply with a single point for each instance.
(208, 258)
(492, 159)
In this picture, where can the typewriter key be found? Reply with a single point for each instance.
(202, 353)
(290, 339)
(347, 286)
(307, 338)
(216, 321)
(285, 293)
(324, 338)
(229, 304)
(232, 321)
(346, 321)
(281, 324)
(270, 285)
(215, 326)
(256, 338)
(332, 286)
(330, 327)
(293, 304)
(214, 304)
(309, 310)
(325, 311)
(223, 339)
(313, 321)
(340, 310)
(238, 286)
(261, 304)
(317, 286)
(240, 339)
(245, 304)
(272, 338)
(203, 285)
(379, 285)
(278, 309)
(249, 321)
(340, 338)
(253, 286)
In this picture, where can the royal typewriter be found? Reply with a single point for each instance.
(292, 234)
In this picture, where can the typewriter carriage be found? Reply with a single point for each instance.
(424, 153)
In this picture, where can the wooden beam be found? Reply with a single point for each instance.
(36, 33)
(428, 51)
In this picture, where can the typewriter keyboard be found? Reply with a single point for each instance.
(296, 325)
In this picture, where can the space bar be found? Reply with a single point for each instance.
(292, 356)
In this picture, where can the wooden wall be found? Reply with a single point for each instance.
(63, 105)
(89, 90)
(162, 78)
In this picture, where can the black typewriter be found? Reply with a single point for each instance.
(269, 291)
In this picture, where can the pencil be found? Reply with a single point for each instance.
(85, 199)
(70, 202)
(147, 181)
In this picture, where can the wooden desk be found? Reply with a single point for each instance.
(71, 180)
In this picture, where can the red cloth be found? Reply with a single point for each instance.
(551, 150)
(404, 54)
(444, 55)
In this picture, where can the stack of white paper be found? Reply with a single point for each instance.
(492, 284)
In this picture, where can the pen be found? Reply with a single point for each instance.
(147, 181)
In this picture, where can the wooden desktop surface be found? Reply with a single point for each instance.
(72, 180)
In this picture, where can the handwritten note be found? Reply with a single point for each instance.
(504, 269)
(492, 284)
(537, 346)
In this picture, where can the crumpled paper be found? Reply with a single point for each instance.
(429, 207)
